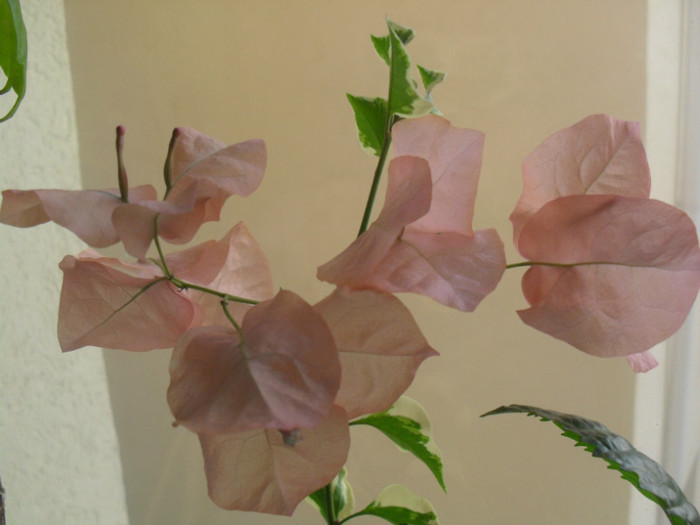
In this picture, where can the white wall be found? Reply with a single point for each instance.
(59, 459)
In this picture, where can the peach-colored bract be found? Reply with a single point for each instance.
(634, 272)
(596, 156)
(282, 371)
(431, 250)
(87, 213)
(257, 471)
(205, 173)
(129, 306)
(380, 348)
(234, 265)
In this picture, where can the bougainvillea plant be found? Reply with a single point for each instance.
(271, 384)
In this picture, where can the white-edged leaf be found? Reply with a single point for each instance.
(407, 424)
(401, 506)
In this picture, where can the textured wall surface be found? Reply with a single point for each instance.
(59, 459)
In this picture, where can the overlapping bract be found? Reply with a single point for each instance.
(102, 218)
(268, 381)
(256, 375)
(614, 272)
(422, 241)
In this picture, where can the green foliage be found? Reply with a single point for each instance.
(430, 79)
(370, 117)
(13, 51)
(398, 505)
(375, 116)
(641, 471)
(407, 424)
(382, 45)
(342, 497)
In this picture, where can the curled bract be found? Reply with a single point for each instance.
(204, 173)
(423, 241)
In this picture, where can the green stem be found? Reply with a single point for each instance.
(330, 508)
(562, 265)
(377, 177)
(227, 313)
(388, 123)
(185, 285)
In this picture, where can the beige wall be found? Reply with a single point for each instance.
(279, 70)
(59, 456)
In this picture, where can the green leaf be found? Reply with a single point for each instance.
(641, 471)
(404, 100)
(400, 506)
(382, 44)
(341, 493)
(370, 117)
(407, 424)
(13, 51)
(430, 79)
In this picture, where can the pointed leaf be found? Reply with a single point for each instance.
(598, 155)
(13, 52)
(382, 44)
(404, 100)
(400, 506)
(380, 348)
(370, 117)
(341, 493)
(407, 424)
(258, 471)
(111, 304)
(281, 372)
(628, 274)
(430, 79)
(643, 473)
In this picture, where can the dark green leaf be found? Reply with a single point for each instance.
(407, 424)
(398, 505)
(644, 473)
(370, 117)
(13, 51)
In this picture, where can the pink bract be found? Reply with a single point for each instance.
(423, 240)
(598, 155)
(380, 348)
(258, 471)
(454, 157)
(282, 371)
(630, 274)
(204, 174)
(108, 303)
(87, 213)
(235, 265)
